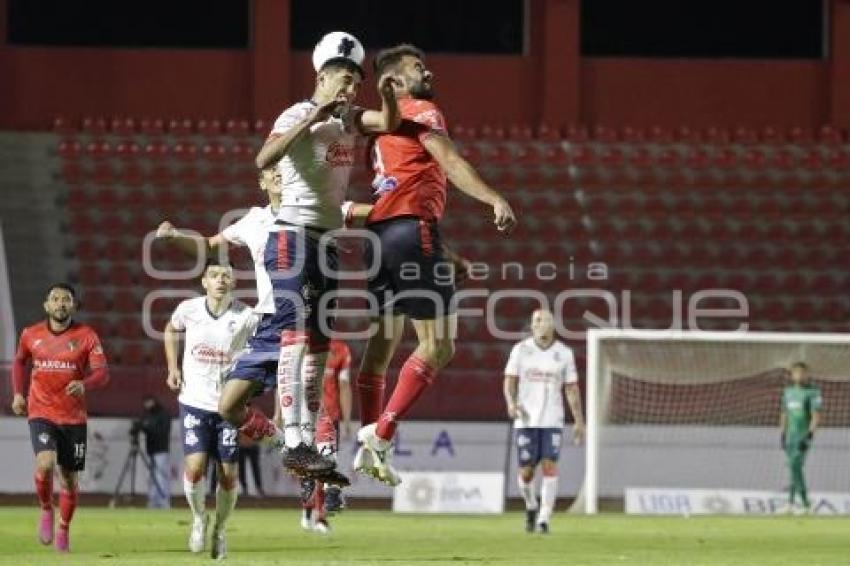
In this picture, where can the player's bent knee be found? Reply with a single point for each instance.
(549, 468)
(526, 473)
(45, 462)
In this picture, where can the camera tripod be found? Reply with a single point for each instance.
(130, 468)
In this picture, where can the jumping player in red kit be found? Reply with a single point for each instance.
(336, 408)
(412, 166)
(67, 360)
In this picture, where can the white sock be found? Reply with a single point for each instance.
(527, 492)
(225, 501)
(312, 374)
(195, 496)
(548, 492)
(290, 389)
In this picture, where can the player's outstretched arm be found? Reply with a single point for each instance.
(171, 344)
(193, 244)
(279, 143)
(464, 176)
(574, 401)
(388, 118)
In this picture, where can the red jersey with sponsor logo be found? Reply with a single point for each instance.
(339, 361)
(57, 360)
(408, 181)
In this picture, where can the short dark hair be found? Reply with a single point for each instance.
(342, 64)
(800, 365)
(392, 56)
(63, 286)
(217, 262)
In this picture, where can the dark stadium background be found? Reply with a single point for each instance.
(686, 149)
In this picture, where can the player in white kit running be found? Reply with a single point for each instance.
(210, 325)
(539, 372)
(312, 146)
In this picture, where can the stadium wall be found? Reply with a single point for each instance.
(552, 83)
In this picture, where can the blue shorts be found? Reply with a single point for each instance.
(293, 261)
(413, 277)
(205, 431)
(536, 444)
(258, 361)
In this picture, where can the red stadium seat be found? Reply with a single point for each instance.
(152, 126)
(659, 134)
(800, 135)
(157, 150)
(209, 127)
(577, 134)
(127, 149)
(520, 132)
(213, 152)
(746, 136)
(180, 127)
(492, 132)
(717, 135)
(604, 134)
(632, 135)
(98, 149)
(122, 126)
(237, 127)
(63, 125)
(829, 135)
(771, 135)
(184, 151)
(548, 133)
(262, 126)
(70, 149)
(94, 125)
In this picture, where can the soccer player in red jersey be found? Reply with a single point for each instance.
(336, 407)
(67, 360)
(412, 167)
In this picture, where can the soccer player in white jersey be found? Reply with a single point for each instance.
(538, 370)
(251, 231)
(209, 324)
(260, 358)
(312, 145)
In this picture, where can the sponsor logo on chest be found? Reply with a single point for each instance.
(54, 365)
(207, 354)
(340, 155)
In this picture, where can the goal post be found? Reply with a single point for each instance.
(682, 408)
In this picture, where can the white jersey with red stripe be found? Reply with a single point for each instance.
(315, 171)
(542, 375)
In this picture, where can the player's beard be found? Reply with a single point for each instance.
(421, 90)
(60, 318)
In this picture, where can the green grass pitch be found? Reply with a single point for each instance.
(139, 536)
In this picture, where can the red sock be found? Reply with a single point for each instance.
(319, 501)
(370, 386)
(415, 377)
(67, 505)
(256, 425)
(44, 490)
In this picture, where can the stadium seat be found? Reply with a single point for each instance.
(180, 127)
(94, 125)
(63, 125)
(237, 127)
(120, 126)
(152, 126)
(209, 127)
(70, 149)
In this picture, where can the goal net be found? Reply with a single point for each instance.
(700, 410)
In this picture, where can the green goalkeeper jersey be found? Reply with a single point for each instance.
(799, 402)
